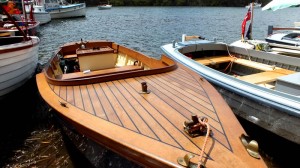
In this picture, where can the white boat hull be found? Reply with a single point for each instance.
(17, 65)
(39, 14)
(103, 7)
(69, 11)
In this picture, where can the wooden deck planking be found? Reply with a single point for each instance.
(162, 113)
(172, 125)
(142, 121)
(123, 108)
(106, 107)
(70, 95)
(143, 109)
(141, 118)
(56, 89)
(63, 92)
(177, 122)
(98, 109)
(195, 104)
(187, 86)
(78, 97)
(111, 113)
(187, 91)
(87, 103)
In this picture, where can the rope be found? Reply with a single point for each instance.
(205, 142)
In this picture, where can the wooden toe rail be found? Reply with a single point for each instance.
(101, 72)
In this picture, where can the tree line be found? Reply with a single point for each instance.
(223, 3)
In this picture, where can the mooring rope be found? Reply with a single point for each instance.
(205, 142)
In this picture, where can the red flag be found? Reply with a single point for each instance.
(247, 17)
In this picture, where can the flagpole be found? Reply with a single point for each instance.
(251, 20)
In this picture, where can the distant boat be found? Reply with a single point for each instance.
(18, 59)
(62, 9)
(103, 6)
(255, 5)
(153, 112)
(38, 11)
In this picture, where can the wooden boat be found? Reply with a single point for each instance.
(18, 60)
(60, 9)
(142, 108)
(32, 27)
(261, 87)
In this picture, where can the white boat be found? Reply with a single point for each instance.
(59, 10)
(255, 5)
(39, 12)
(261, 87)
(291, 38)
(18, 59)
(104, 6)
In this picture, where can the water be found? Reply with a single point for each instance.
(32, 137)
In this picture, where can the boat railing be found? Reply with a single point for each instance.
(271, 29)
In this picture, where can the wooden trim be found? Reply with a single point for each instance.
(214, 60)
(101, 72)
(263, 77)
(33, 44)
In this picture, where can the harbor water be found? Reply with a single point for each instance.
(30, 136)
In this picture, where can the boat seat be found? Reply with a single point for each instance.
(214, 60)
(263, 77)
(263, 67)
(101, 72)
(253, 64)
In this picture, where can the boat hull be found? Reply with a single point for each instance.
(17, 64)
(271, 110)
(42, 17)
(109, 103)
(287, 39)
(68, 11)
(104, 7)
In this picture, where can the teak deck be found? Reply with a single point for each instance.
(148, 128)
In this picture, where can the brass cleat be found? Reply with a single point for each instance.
(251, 146)
(194, 127)
(185, 161)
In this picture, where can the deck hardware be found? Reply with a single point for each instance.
(185, 161)
(144, 88)
(195, 128)
(63, 104)
(250, 145)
